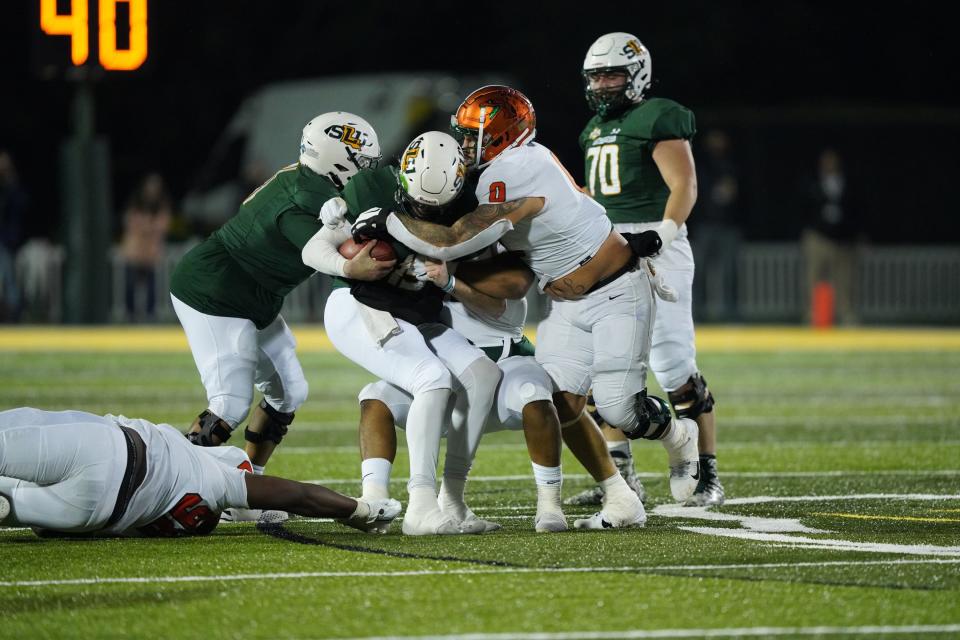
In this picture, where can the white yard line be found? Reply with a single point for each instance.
(686, 633)
(465, 571)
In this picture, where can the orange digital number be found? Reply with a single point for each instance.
(498, 191)
(115, 59)
(73, 24)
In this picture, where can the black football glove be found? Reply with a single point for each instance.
(645, 244)
(371, 225)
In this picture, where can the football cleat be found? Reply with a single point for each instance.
(709, 491)
(603, 520)
(594, 495)
(4, 507)
(378, 518)
(234, 514)
(550, 522)
(685, 461)
(271, 517)
(587, 497)
(435, 522)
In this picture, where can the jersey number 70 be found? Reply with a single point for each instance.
(605, 161)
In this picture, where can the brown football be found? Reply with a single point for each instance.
(381, 251)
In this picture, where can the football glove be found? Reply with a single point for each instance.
(645, 244)
(332, 212)
(372, 225)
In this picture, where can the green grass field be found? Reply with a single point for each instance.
(861, 445)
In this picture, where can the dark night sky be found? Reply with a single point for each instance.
(786, 79)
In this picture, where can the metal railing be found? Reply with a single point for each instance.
(910, 284)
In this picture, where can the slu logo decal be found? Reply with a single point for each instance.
(410, 156)
(348, 135)
(595, 133)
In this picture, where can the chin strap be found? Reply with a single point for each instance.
(483, 119)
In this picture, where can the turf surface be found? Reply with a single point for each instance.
(860, 447)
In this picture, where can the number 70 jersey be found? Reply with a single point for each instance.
(618, 152)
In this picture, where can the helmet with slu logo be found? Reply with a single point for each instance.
(339, 144)
(495, 118)
(613, 53)
(431, 173)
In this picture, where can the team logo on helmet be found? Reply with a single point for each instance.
(408, 162)
(348, 135)
(632, 49)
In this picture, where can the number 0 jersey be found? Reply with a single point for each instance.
(620, 171)
(569, 229)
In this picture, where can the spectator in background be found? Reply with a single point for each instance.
(146, 221)
(13, 206)
(716, 230)
(829, 245)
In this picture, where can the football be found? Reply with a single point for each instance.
(381, 251)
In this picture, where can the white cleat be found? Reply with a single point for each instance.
(234, 514)
(685, 462)
(379, 517)
(435, 522)
(4, 508)
(550, 522)
(601, 520)
(467, 519)
(270, 517)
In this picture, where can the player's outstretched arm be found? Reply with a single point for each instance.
(311, 500)
(474, 231)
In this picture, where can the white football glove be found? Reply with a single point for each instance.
(661, 288)
(333, 213)
(419, 268)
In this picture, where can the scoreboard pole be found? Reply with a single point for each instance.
(87, 210)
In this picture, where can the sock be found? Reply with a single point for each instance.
(549, 483)
(673, 438)
(257, 469)
(376, 478)
(422, 500)
(451, 497)
(424, 426)
(622, 457)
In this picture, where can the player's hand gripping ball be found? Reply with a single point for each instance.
(381, 250)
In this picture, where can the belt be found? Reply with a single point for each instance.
(133, 475)
(627, 268)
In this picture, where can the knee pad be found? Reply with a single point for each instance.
(274, 428)
(232, 409)
(295, 394)
(693, 398)
(654, 416)
(210, 425)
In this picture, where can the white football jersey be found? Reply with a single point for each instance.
(570, 228)
(186, 486)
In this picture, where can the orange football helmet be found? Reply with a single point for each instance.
(498, 118)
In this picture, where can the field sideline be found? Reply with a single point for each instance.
(312, 338)
(839, 451)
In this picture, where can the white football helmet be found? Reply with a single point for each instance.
(339, 144)
(431, 173)
(617, 52)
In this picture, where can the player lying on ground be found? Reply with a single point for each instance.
(598, 330)
(79, 473)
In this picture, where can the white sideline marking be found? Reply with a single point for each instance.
(454, 572)
(726, 474)
(684, 633)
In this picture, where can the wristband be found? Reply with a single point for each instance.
(451, 283)
(667, 231)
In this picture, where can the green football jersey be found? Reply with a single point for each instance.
(247, 266)
(378, 188)
(620, 171)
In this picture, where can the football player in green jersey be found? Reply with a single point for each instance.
(228, 291)
(639, 166)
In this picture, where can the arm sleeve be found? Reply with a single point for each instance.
(480, 241)
(321, 252)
